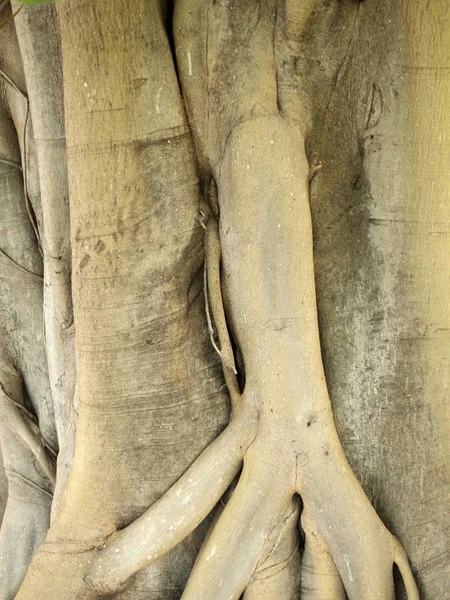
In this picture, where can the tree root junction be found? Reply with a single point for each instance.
(348, 551)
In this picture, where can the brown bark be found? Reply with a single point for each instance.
(138, 306)
(337, 109)
(380, 208)
(39, 40)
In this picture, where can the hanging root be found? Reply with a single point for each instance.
(214, 302)
(23, 423)
(208, 314)
(277, 575)
(28, 205)
(15, 264)
(11, 163)
(174, 516)
(12, 474)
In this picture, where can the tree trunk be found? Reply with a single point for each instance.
(383, 197)
(269, 177)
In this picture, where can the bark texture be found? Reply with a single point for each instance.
(228, 211)
(137, 288)
(382, 197)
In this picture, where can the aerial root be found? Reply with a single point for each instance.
(279, 583)
(320, 579)
(214, 302)
(12, 474)
(208, 314)
(230, 555)
(11, 163)
(401, 560)
(18, 266)
(28, 205)
(176, 514)
(24, 425)
(277, 575)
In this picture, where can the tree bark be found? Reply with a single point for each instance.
(266, 176)
(380, 208)
(136, 284)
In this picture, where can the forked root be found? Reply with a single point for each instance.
(234, 553)
(239, 555)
